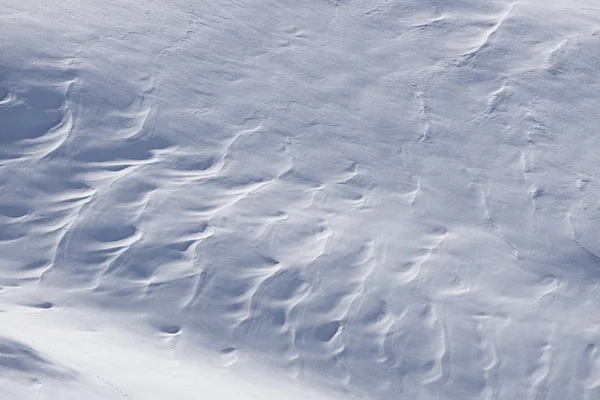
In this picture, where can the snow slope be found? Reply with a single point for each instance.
(299, 199)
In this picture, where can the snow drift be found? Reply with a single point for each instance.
(315, 199)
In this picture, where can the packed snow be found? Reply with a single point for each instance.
(300, 199)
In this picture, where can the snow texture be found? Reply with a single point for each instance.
(299, 199)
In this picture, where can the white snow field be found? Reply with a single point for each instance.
(300, 199)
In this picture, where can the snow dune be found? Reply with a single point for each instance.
(303, 199)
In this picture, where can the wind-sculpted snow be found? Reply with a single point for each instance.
(299, 199)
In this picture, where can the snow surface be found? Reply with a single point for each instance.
(299, 199)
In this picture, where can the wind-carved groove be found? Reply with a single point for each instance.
(472, 55)
(488, 217)
(423, 113)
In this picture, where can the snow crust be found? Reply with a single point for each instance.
(299, 199)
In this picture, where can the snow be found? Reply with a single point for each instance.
(306, 199)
